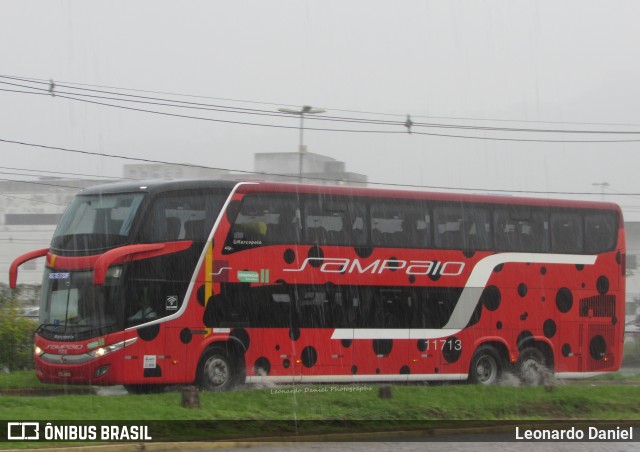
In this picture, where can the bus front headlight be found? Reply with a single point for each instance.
(112, 348)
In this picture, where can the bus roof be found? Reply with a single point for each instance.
(158, 186)
(426, 195)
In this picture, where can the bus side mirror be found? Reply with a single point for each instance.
(134, 253)
(18, 261)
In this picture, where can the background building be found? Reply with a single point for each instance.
(633, 274)
(149, 171)
(316, 169)
(29, 213)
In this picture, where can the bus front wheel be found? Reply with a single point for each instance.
(215, 371)
(486, 366)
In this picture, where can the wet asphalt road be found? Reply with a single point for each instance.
(483, 443)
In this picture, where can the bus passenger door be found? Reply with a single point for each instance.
(270, 314)
(320, 311)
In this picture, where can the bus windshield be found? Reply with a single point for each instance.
(74, 308)
(97, 222)
(136, 291)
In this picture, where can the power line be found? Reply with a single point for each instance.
(192, 105)
(42, 183)
(33, 200)
(146, 100)
(19, 174)
(160, 92)
(259, 173)
(123, 157)
(61, 172)
(235, 110)
(29, 231)
(523, 140)
(25, 241)
(340, 130)
(280, 104)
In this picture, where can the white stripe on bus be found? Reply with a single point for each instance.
(468, 298)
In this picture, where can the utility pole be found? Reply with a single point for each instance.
(603, 186)
(305, 110)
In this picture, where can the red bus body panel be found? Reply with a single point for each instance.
(560, 306)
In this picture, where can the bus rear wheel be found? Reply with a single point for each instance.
(531, 367)
(215, 371)
(486, 366)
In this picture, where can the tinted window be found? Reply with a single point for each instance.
(400, 225)
(566, 232)
(462, 227)
(348, 306)
(521, 229)
(265, 219)
(600, 232)
(182, 215)
(94, 222)
(332, 220)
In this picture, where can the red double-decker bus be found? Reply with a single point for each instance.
(218, 283)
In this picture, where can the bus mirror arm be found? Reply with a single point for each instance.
(134, 253)
(18, 261)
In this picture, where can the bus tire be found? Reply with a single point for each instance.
(486, 366)
(531, 367)
(216, 372)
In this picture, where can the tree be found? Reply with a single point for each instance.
(16, 335)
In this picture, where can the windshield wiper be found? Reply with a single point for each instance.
(70, 326)
(43, 326)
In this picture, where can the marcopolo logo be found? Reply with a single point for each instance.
(63, 349)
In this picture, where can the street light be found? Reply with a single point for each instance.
(305, 110)
(602, 186)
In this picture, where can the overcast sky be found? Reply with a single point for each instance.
(562, 65)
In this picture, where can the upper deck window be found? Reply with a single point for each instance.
(331, 220)
(600, 232)
(335, 220)
(265, 219)
(521, 229)
(566, 232)
(462, 227)
(182, 215)
(400, 224)
(272, 219)
(95, 222)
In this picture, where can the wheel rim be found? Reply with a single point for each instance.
(531, 370)
(216, 372)
(486, 370)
